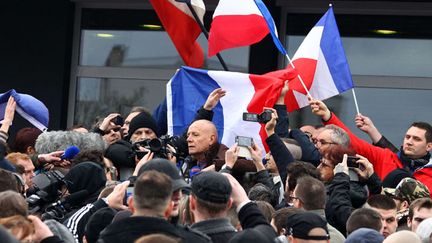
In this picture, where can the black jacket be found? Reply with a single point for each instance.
(219, 230)
(132, 228)
(339, 206)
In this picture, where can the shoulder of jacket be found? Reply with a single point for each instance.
(197, 233)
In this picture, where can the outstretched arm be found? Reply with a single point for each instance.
(7, 120)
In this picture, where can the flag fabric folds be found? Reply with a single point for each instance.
(235, 23)
(30, 108)
(271, 25)
(320, 61)
(188, 90)
(182, 28)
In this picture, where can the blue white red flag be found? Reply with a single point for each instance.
(188, 90)
(182, 28)
(236, 23)
(28, 107)
(320, 61)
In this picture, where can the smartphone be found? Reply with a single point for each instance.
(352, 162)
(129, 191)
(243, 144)
(244, 141)
(118, 120)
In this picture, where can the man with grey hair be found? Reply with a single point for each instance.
(331, 135)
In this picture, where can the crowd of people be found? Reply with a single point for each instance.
(125, 180)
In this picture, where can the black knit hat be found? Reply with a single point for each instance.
(143, 119)
(97, 222)
(211, 187)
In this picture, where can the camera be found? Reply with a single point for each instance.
(46, 189)
(243, 144)
(264, 117)
(159, 146)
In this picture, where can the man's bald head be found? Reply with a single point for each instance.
(201, 135)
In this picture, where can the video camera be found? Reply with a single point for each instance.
(264, 117)
(159, 146)
(46, 189)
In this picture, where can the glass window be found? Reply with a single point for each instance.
(391, 110)
(101, 96)
(382, 56)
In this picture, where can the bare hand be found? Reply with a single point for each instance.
(256, 153)
(213, 98)
(8, 115)
(231, 155)
(115, 198)
(51, 157)
(281, 99)
(270, 125)
(107, 123)
(238, 194)
(320, 109)
(364, 123)
(342, 166)
(366, 170)
(42, 231)
(147, 157)
(209, 168)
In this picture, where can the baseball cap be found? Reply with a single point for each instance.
(211, 187)
(408, 189)
(300, 224)
(167, 167)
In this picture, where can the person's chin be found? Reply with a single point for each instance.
(385, 234)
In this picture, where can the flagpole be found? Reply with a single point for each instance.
(298, 75)
(355, 101)
(203, 29)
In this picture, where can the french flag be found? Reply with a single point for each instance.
(182, 28)
(188, 90)
(30, 108)
(236, 23)
(321, 62)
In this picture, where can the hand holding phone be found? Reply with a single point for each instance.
(352, 162)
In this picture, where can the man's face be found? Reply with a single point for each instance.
(295, 200)
(325, 169)
(415, 145)
(142, 134)
(28, 170)
(388, 218)
(323, 140)
(418, 216)
(199, 138)
(125, 127)
(113, 136)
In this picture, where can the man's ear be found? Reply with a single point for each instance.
(405, 205)
(131, 204)
(212, 139)
(229, 204)
(169, 209)
(409, 222)
(30, 150)
(429, 146)
(192, 203)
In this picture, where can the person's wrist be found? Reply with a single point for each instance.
(327, 116)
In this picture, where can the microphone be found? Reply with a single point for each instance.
(72, 199)
(70, 153)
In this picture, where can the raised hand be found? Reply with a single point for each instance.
(213, 98)
(320, 109)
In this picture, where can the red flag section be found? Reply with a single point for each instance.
(182, 29)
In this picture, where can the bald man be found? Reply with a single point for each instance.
(203, 146)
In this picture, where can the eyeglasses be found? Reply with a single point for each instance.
(322, 142)
(292, 198)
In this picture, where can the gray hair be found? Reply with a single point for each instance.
(338, 135)
(52, 141)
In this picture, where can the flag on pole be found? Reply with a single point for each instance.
(321, 62)
(271, 26)
(30, 108)
(235, 23)
(188, 90)
(182, 28)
